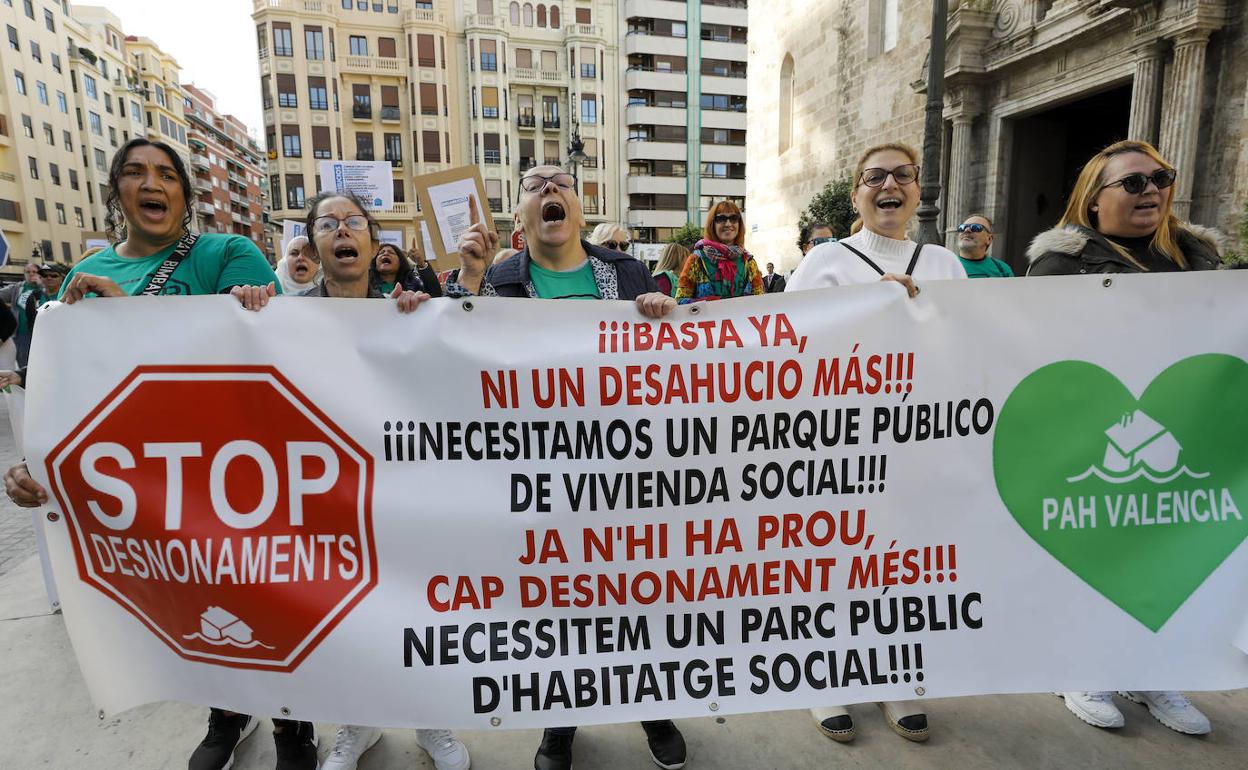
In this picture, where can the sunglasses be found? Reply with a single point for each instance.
(328, 224)
(1135, 183)
(973, 227)
(875, 177)
(723, 219)
(618, 245)
(821, 239)
(535, 182)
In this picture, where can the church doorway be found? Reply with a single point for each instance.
(1048, 150)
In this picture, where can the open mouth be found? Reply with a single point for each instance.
(888, 204)
(552, 211)
(154, 206)
(301, 270)
(346, 252)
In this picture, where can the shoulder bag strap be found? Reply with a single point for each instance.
(914, 259)
(161, 276)
(863, 257)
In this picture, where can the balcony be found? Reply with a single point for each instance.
(238, 199)
(723, 188)
(398, 211)
(391, 114)
(526, 121)
(639, 42)
(723, 153)
(656, 185)
(656, 218)
(549, 123)
(483, 21)
(419, 16)
(372, 65)
(205, 208)
(238, 179)
(716, 49)
(200, 162)
(641, 115)
(655, 9)
(723, 119)
(727, 14)
(655, 80)
(237, 217)
(714, 84)
(395, 162)
(582, 31)
(536, 76)
(203, 185)
(361, 112)
(527, 163)
(649, 150)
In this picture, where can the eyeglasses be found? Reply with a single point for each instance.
(974, 227)
(535, 182)
(1134, 184)
(723, 219)
(618, 245)
(875, 177)
(821, 240)
(329, 223)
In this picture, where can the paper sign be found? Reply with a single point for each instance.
(393, 237)
(291, 229)
(370, 180)
(447, 198)
(427, 241)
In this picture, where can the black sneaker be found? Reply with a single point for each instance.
(555, 753)
(225, 732)
(667, 745)
(296, 746)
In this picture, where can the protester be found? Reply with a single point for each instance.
(298, 269)
(772, 283)
(667, 272)
(15, 296)
(1118, 220)
(886, 193)
(503, 255)
(148, 217)
(557, 264)
(720, 267)
(611, 236)
(812, 234)
(52, 275)
(974, 238)
(390, 268)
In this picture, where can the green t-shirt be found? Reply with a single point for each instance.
(387, 287)
(573, 284)
(988, 267)
(23, 323)
(218, 263)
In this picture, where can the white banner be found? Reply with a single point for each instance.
(370, 180)
(516, 513)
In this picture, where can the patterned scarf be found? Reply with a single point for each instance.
(724, 265)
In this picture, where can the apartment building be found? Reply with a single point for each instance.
(685, 120)
(163, 103)
(543, 89)
(227, 169)
(353, 80)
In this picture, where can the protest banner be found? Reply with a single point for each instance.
(516, 514)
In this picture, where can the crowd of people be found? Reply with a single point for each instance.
(1118, 219)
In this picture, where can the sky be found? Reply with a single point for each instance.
(214, 43)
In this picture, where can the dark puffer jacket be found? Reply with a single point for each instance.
(511, 277)
(1072, 250)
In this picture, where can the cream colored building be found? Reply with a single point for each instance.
(157, 74)
(1033, 89)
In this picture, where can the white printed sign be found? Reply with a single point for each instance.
(370, 180)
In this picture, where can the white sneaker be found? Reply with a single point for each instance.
(1095, 708)
(1172, 709)
(349, 746)
(446, 751)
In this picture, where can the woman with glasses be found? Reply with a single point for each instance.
(667, 272)
(813, 234)
(720, 267)
(885, 195)
(609, 235)
(1118, 220)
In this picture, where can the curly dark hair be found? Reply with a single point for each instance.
(315, 202)
(114, 217)
(804, 236)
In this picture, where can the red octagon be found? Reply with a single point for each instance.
(222, 509)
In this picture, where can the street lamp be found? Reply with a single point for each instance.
(933, 128)
(576, 148)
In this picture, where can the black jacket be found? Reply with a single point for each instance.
(511, 277)
(1072, 250)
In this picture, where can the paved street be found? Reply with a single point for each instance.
(47, 719)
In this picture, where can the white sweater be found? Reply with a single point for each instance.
(831, 264)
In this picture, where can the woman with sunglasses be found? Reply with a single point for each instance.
(720, 267)
(609, 235)
(1118, 220)
(885, 196)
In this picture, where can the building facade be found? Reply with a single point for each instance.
(685, 121)
(1033, 88)
(226, 170)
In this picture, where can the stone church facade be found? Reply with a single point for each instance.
(1032, 89)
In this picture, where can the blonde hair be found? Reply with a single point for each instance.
(724, 207)
(673, 258)
(904, 149)
(1091, 182)
(604, 231)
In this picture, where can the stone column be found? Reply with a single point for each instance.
(1146, 93)
(959, 190)
(1180, 124)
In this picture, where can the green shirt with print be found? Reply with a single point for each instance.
(988, 267)
(577, 283)
(19, 309)
(218, 263)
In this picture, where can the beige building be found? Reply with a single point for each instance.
(1033, 89)
(163, 102)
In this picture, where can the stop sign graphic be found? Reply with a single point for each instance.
(222, 509)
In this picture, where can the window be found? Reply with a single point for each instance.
(492, 154)
(41, 210)
(78, 216)
(428, 99)
(33, 164)
(318, 98)
(56, 62)
(54, 173)
(112, 136)
(584, 16)
(28, 127)
(400, 191)
(88, 85)
(431, 149)
(494, 194)
(489, 102)
(785, 113)
(101, 160)
(524, 57)
(524, 108)
(48, 21)
(275, 188)
(60, 213)
(20, 79)
(588, 68)
(359, 45)
(93, 120)
(291, 147)
(489, 56)
(528, 15)
(36, 52)
(266, 95)
(41, 89)
(287, 94)
(386, 48)
(589, 109)
(424, 51)
(294, 191)
(73, 179)
(723, 102)
(314, 43)
(550, 61)
(890, 25)
(550, 112)
(541, 15)
(513, 12)
(136, 113)
(554, 17)
(282, 43)
(390, 103)
(550, 149)
(589, 198)
(30, 9)
(361, 101)
(320, 142)
(364, 146)
(68, 140)
(48, 135)
(393, 144)
(13, 41)
(10, 210)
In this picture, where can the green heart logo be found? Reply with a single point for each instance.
(1141, 498)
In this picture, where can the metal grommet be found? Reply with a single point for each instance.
(101, 715)
(920, 691)
(695, 309)
(495, 721)
(467, 305)
(53, 516)
(714, 707)
(285, 711)
(1107, 282)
